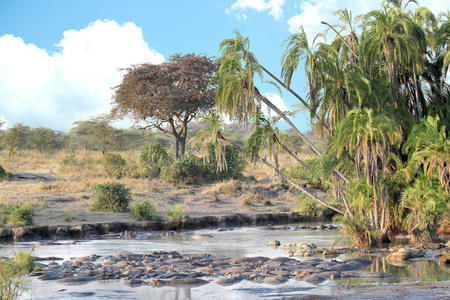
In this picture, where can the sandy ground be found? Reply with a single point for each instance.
(411, 291)
(67, 201)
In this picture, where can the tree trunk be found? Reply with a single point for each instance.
(182, 144)
(375, 207)
(302, 189)
(291, 182)
(176, 148)
(287, 120)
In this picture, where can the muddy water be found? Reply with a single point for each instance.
(237, 243)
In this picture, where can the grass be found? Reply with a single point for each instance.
(229, 188)
(177, 192)
(68, 197)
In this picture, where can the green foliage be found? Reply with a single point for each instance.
(152, 158)
(302, 176)
(428, 145)
(187, 170)
(144, 210)
(15, 138)
(235, 163)
(13, 281)
(3, 174)
(18, 216)
(24, 261)
(112, 197)
(177, 214)
(306, 206)
(424, 204)
(45, 139)
(359, 229)
(115, 165)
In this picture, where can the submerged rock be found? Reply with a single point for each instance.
(399, 257)
(274, 243)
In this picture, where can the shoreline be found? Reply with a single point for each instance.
(76, 231)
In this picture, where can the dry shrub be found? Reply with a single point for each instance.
(184, 191)
(229, 188)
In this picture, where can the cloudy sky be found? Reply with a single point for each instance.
(60, 59)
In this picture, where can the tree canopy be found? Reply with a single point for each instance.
(167, 96)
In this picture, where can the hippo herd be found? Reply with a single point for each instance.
(161, 268)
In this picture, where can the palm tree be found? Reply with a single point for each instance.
(369, 137)
(241, 46)
(386, 36)
(213, 134)
(425, 202)
(429, 146)
(237, 94)
(264, 136)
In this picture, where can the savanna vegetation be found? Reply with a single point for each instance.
(378, 92)
(378, 156)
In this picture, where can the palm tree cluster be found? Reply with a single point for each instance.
(379, 92)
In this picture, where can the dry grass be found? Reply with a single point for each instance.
(177, 192)
(228, 188)
(66, 199)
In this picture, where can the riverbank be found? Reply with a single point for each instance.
(93, 230)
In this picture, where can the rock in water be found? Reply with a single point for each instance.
(274, 243)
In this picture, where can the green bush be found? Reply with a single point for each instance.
(424, 204)
(3, 174)
(151, 160)
(13, 281)
(112, 197)
(144, 210)
(115, 165)
(187, 170)
(302, 176)
(306, 206)
(177, 214)
(235, 163)
(17, 216)
(24, 261)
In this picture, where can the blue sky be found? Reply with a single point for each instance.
(59, 59)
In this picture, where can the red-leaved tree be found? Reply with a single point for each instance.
(167, 96)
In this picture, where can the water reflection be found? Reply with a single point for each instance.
(410, 271)
(238, 243)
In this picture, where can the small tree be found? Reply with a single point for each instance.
(45, 139)
(15, 138)
(96, 134)
(167, 96)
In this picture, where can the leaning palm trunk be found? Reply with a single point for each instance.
(294, 184)
(302, 189)
(287, 120)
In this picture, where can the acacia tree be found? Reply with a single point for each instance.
(97, 134)
(167, 96)
(15, 138)
(45, 139)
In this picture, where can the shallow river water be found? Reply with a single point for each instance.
(240, 242)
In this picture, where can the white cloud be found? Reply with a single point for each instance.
(74, 83)
(276, 100)
(315, 11)
(274, 7)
